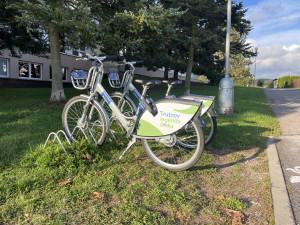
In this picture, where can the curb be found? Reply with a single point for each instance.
(281, 202)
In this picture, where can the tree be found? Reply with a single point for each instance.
(142, 33)
(14, 36)
(200, 35)
(58, 18)
(239, 61)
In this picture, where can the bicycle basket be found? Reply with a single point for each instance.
(114, 80)
(79, 79)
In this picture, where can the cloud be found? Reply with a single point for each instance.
(289, 37)
(277, 60)
(271, 19)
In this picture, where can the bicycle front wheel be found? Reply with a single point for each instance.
(179, 151)
(127, 108)
(94, 126)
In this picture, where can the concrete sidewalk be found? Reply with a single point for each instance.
(284, 152)
(281, 201)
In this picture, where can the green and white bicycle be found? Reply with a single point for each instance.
(169, 129)
(208, 113)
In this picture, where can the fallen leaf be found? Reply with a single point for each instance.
(97, 195)
(179, 214)
(238, 217)
(173, 220)
(100, 173)
(64, 182)
(87, 156)
(219, 197)
(26, 215)
(237, 221)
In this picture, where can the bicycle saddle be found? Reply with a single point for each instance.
(148, 82)
(172, 82)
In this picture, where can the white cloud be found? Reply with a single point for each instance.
(272, 19)
(276, 34)
(277, 60)
(274, 13)
(289, 37)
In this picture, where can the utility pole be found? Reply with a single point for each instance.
(255, 66)
(226, 92)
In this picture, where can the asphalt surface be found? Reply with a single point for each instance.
(286, 105)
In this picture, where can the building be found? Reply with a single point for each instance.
(35, 68)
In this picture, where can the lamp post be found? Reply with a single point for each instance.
(255, 66)
(226, 92)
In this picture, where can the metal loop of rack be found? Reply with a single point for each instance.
(77, 129)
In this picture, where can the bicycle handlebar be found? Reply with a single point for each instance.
(98, 58)
(140, 61)
(124, 62)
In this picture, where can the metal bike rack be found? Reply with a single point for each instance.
(56, 136)
(90, 133)
(79, 130)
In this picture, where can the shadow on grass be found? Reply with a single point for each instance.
(226, 165)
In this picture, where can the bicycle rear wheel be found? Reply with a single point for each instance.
(179, 151)
(95, 125)
(210, 128)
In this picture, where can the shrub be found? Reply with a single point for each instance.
(270, 85)
(285, 82)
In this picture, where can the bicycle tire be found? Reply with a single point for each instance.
(210, 129)
(97, 124)
(160, 153)
(127, 107)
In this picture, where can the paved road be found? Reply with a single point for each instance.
(286, 105)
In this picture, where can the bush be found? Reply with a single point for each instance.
(285, 82)
(260, 83)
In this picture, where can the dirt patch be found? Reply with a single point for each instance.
(239, 176)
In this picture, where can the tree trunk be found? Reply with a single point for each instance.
(166, 73)
(57, 92)
(176, 74)
(187, 86)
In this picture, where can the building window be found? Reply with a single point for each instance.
(64, 70)
(30, 70)
(3, 67)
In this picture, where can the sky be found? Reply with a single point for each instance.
(276, 34)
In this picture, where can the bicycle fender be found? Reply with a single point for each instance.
(172, 115)
(208, 101)
(212, 111)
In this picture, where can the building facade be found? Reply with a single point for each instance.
(31, 67)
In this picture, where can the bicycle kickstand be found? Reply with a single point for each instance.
(131, 142)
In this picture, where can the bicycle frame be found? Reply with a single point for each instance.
(97, 75)
(185, 109)
(207, 101)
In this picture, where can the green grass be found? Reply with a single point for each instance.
(135, 191)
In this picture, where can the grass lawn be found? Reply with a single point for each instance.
(44, 186)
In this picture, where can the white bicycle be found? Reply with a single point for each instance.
(169, 129)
